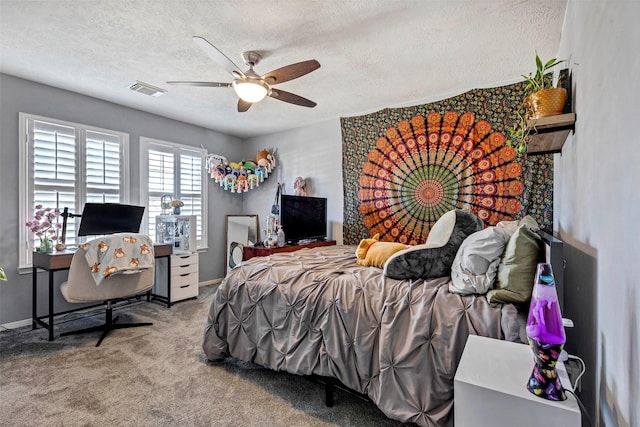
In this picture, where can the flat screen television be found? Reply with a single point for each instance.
(109, 218)
(303, 218)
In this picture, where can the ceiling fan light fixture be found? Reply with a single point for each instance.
(251, 90)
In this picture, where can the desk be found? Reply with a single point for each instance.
(59, 261)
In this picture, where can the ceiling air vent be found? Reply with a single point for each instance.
(146, 89)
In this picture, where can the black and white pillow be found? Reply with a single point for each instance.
(434, 258)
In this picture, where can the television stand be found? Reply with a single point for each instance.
(249, 252)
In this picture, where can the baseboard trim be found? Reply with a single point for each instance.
(15, 325)
(210, 282)
(27, 322)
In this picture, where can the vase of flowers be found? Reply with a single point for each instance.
(44, 226)
(176, 204)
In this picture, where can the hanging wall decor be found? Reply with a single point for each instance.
(404, 167)
(240, 177)
(426, 166)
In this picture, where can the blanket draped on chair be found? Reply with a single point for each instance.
(121, 253)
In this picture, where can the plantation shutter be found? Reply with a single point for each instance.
(176, 171)
(161, 181)
(66, 165)
(54, 168)
(191, 186)
(102, 166)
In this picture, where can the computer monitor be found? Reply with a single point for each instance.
(110, 218)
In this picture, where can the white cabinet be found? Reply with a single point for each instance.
(184, 278)
(490, 388)
(180, 232)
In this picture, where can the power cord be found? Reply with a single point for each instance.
(583, 410)
(583, 368)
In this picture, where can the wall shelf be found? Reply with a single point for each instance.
(550, 133)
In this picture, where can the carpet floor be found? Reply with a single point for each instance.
(155, 376)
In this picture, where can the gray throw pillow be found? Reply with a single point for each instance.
(517, 268)
(475, 266)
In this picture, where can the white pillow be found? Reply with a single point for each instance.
(475, 266)
(441, 231)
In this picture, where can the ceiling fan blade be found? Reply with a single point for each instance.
(291, 72)
(209, 84)
(243, 106)
(220, 58)
(291, 98)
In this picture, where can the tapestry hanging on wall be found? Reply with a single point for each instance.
(403, 168)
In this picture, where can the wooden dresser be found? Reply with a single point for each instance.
(249, 252)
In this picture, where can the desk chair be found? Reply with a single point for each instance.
(81, 287)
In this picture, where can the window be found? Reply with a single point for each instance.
(66, 164)
(177, 171)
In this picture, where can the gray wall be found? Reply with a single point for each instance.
(18, 95)
(597, 193)
(314, 153)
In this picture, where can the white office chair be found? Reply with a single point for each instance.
(81, 287)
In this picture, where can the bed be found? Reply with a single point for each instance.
(317, 312)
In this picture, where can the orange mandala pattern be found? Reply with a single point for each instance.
(424, 168)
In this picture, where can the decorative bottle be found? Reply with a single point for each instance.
(546, 336)
(280, 237)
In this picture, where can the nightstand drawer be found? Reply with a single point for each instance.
(181, 269)
(183, 292)
(184, 259)
(179, 280)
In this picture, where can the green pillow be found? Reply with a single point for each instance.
(517, 268)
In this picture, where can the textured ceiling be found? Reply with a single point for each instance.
(373, 53)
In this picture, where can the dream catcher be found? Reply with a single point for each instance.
(420, 170)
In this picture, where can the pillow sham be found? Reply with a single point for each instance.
(434, 258)
(517, 268)
(475, 266)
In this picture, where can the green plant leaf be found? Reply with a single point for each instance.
(550, 63)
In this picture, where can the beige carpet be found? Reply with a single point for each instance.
(155, 376)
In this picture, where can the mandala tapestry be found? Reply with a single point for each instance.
(403, 168)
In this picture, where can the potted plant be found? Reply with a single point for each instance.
(519, 132)
(43, 226)
(543, 100)
(176, 204)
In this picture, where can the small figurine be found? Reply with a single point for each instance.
(253, 180)
(300, 186)
(230, 182)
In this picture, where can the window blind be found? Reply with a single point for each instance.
(65, 165)
(177, 171)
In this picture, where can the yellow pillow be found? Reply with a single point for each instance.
(374, 253)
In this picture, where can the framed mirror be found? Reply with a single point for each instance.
(242, 230)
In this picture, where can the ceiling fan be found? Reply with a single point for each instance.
(249, 85)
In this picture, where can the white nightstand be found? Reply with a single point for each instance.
(490, 388)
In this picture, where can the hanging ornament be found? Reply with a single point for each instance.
(240, 177)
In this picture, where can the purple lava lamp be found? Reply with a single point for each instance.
(546, 336)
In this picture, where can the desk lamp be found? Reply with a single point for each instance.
(546, 336)
(66, 214)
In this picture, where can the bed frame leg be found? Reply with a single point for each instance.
(328, 393)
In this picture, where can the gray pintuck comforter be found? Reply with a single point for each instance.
(315, 311)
